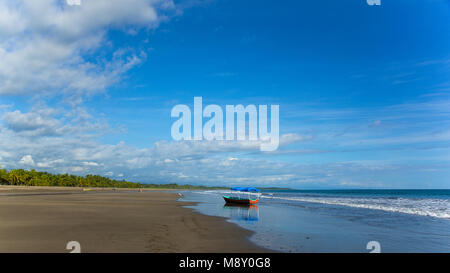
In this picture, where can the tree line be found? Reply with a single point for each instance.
(21, 177)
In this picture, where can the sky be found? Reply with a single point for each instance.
(363, 90)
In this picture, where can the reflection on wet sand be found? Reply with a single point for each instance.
(242, 212)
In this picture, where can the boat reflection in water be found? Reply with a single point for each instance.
(242, 212)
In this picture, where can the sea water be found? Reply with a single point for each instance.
(339, 220)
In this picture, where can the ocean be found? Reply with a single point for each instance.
(339, 220)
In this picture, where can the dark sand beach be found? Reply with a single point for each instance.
(43, 219)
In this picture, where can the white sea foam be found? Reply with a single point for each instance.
(439, 208)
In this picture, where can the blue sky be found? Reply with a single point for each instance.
(363, 90)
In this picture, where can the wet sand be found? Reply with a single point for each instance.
(46, 219)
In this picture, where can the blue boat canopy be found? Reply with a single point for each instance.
(246, 189)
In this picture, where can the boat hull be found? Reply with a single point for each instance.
(240, 201)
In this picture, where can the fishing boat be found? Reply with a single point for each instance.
(243, 196)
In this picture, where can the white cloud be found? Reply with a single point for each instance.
(27, 160)
(286, 139)
(47, 121)
(73, 2)
(86, 163)
(36, 123)
(78, 169)
(47, 46)
(48, 163)
(376, 123)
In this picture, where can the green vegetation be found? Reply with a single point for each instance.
(22, 177)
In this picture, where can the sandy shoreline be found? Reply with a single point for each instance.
(45, 219)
